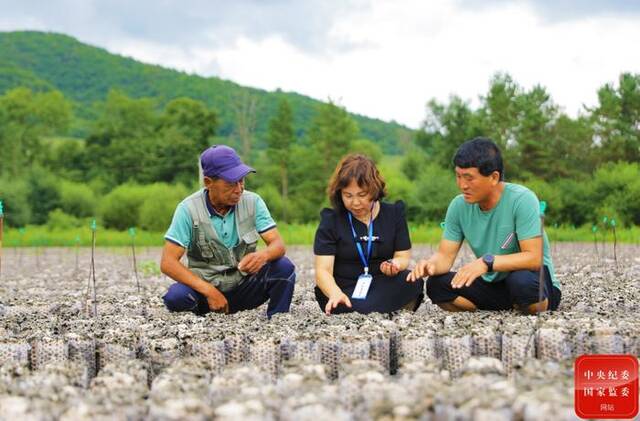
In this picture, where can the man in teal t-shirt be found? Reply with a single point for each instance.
(501, 223)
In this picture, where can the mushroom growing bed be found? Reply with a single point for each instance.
(135, 360)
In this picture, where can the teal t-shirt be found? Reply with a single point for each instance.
(497, 231)
(180, 231)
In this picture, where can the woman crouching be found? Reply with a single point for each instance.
(362, 246)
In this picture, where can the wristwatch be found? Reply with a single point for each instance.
(488, 260)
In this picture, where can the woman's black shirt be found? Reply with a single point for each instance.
(334, 238)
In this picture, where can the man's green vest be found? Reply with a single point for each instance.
(207, 256)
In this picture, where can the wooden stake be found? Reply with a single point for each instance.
(543, 207)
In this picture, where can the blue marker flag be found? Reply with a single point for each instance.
(543, 207)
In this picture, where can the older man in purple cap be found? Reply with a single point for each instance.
(219, 227)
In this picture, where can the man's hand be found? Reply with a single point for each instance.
(468, 273)
(389, 268)
(217, 302)
(253, 262)
(423, 268)
(335, 300)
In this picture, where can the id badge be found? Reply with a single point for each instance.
(362, 287)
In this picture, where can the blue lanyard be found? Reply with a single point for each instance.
(365, 261)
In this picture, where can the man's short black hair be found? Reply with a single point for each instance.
(481, 153)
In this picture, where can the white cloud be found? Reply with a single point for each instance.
(410, 51)
(384, 59)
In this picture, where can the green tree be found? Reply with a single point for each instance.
(25, 117)
(123, 140)
(578, 207)
(534, 155)
(446, 127)
(499, 111)
(193, 119)
(15, 194)
(173, 159)
(574, 155)
(280, 138)
(368, 148)
(616, 120)
(616, 188)
(77, 199)
(413, 162)
(68, 159)
(500, 114)
(434, 190)
(44, 194)
(331, 133)
(308, 184)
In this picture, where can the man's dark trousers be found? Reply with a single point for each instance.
(274, 282)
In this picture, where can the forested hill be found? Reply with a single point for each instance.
(85, 74)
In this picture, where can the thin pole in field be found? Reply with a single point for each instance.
(543, 207)
(21, 243)
(38, 253)
(77, 246)
(615, 241)
(93, 267)
(605, 221)
(536, 328)
(594, 229)
(132, 233)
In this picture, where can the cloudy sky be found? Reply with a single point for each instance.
(381, 58)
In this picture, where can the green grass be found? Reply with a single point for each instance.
(293, 234)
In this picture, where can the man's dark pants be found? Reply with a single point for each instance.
(274, 282)
(520, 287)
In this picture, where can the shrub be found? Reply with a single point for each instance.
(44, 194)
(273, 199)
(15, 199)
(59, 220)
(77, 199)
(120, 209)
(578, 207)
(435, 188)
(616, 191)
(550, 194)
(159, 203)
(399, 187)
(368, 148)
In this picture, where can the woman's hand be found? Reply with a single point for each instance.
(335, 300)
(389, 268)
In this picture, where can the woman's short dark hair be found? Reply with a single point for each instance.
(363, 170)
(481, 153)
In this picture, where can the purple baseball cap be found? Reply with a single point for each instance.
(223, 162)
